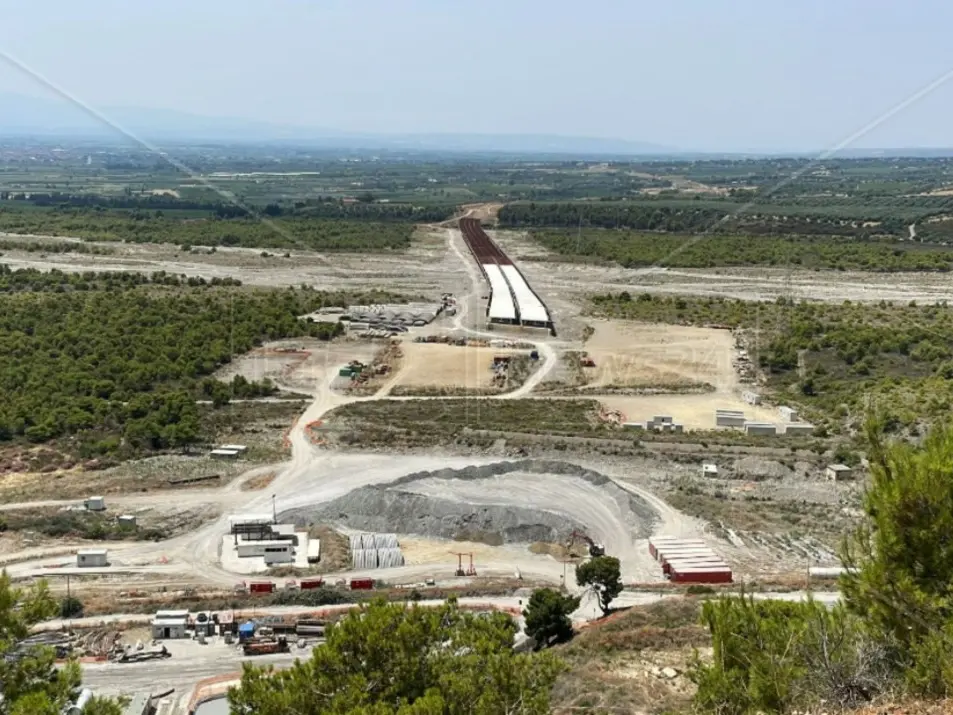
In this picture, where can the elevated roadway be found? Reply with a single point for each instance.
(512, 300)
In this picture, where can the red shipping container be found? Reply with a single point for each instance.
(311, 583)
(683, 555)
(703, 561)
(702, 575)
(261, 587)
(362, 584)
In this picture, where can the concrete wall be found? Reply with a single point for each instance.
(761, 429)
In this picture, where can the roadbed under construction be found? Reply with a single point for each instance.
(512, 300)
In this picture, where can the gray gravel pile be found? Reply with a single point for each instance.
(496, 469)
(505, 502)
(380, 508)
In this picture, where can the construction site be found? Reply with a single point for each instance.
(512, 301)
(335, 511)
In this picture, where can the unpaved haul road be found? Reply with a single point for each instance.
(311, 476)
(607, 520)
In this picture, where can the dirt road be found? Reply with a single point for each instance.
(311, 476)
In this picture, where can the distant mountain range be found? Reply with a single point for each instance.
(27, 116)
(22, 115)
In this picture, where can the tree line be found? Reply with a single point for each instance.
(364, 208)
(32, 279)
(118, 365)
(802, 216)
(633, 249)
(320, 234)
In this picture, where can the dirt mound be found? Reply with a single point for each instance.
(533, 466)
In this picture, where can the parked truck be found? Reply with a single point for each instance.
(261, 587)
(266, 647)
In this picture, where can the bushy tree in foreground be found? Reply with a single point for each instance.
(547, 616)
(769, 656)
(390, 658)
(30, 682)
(894, 629)
(901, 582)
(603, 574)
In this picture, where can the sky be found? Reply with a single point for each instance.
(710, 75)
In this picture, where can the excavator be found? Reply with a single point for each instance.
(594, 548)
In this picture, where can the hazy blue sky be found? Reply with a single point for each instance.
(694, 74)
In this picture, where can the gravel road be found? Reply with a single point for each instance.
(314, 476)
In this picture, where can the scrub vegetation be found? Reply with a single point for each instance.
(835, 360)
(113, 363)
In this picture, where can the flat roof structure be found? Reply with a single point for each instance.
(687, 556)
(236, 519)
(689, 568)
(511, 300)
(680, 544)
(666, 553)
(705, 562)
(170, 621)
(680, 539)
(501, 300)
(529, 306)
(177, 613)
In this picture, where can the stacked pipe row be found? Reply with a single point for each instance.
(372, 551)
(364, 559)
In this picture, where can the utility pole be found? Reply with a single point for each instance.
(566, 560)
(274, 510)
(69, 608)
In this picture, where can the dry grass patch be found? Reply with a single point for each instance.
(335, 548)
(632, 354)
(620, 664)
(260, 482)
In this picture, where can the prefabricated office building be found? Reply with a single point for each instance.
(170, 624)
(275, 551)
(258, 535)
